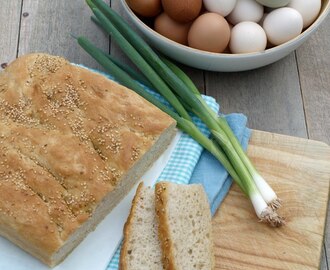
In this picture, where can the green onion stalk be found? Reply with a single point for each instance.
(265, 189)
(165, 77)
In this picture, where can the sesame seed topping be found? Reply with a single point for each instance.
(67, 151)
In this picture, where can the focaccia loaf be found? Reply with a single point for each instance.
(72, 144)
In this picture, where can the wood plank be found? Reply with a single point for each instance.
(314, 69)
(10, 13)
(48, 26)
(195, 74)
(313, 63)
(269, 96)
(303, 184)
(324, 265)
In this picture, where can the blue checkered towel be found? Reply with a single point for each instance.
(190, 164)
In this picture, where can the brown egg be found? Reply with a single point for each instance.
(209, 32)
(182, 10)
(145, 8)
(171, 29)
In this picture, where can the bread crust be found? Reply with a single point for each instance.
(161, 195)
(68, 136)
(128, 228)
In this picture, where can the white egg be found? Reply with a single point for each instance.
(247, 37)
(274, 3)
(309, 9)
(246, 10)
(282, 25)
(222, 7)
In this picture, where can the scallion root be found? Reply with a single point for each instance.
(271, 217)
(275, 204)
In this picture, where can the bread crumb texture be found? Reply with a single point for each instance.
(185, 226)
(141, 247)
(67, 135)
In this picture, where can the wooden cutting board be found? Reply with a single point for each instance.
(299, 171)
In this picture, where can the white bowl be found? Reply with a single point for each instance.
(222, 61)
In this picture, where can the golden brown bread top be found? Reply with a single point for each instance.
(67, 135)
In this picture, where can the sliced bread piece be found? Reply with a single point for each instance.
(185, 229)
(141, 246)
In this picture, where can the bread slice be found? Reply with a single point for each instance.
(141, 246)
(72, 144)
(185, 229)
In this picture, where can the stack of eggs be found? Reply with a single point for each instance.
(229, 26)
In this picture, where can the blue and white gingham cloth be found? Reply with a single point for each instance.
(190, 164)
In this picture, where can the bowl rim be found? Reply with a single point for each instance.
(321, 16)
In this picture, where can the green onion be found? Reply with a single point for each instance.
(236, 153)
(263, 211)
(257, 188)
(158, 71)
(183, 76)
(135, 75)
(266, 191)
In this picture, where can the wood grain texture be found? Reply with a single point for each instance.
(10, 13)
(299, 171)
(269, 96)
(49, 26)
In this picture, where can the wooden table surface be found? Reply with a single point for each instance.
(289, 97)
